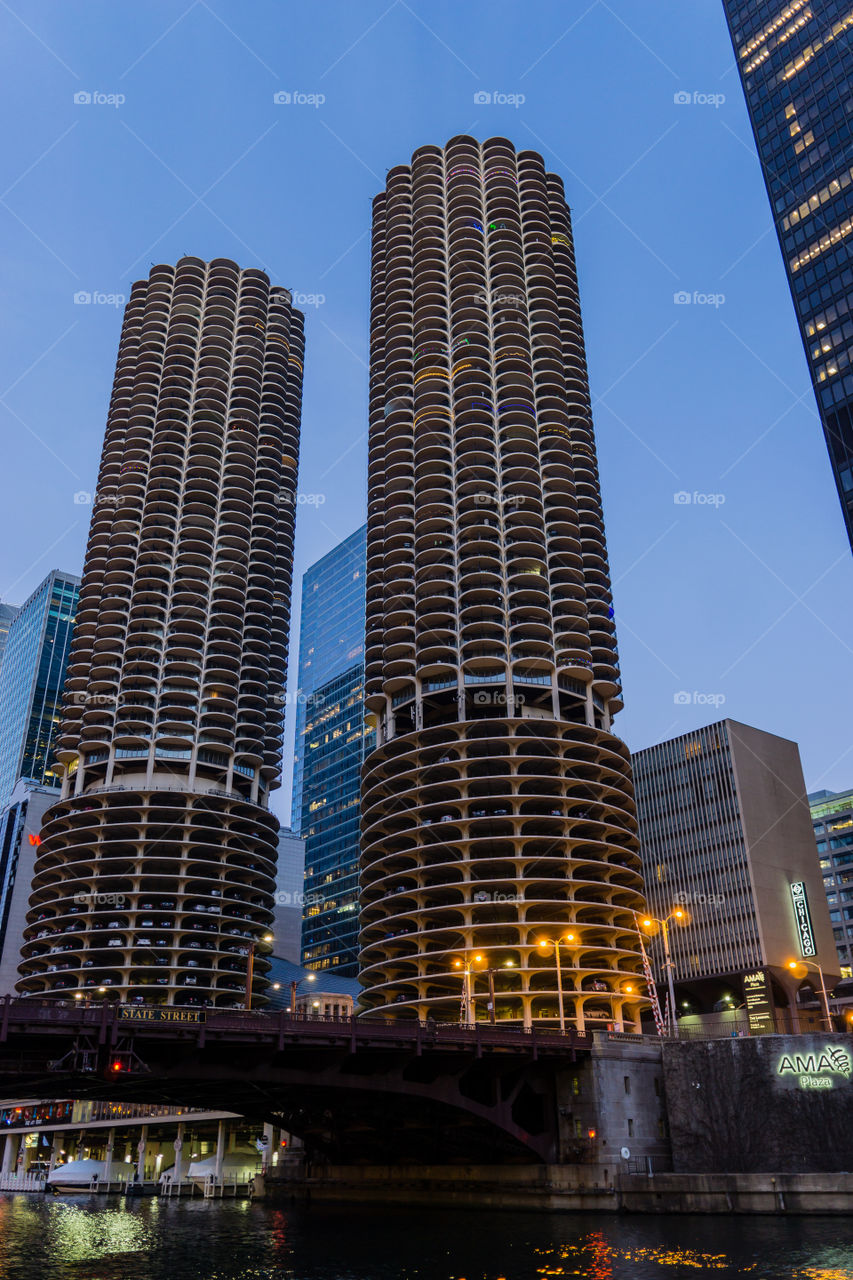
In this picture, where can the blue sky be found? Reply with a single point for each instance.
(741, 599)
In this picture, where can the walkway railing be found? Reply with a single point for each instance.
(22, 1181)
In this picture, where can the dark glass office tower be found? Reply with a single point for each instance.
(796, 66)
(330, 745)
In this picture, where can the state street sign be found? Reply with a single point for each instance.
(136, 1013)
(803, 917)
(819, 1069)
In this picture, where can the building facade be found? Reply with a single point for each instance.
(31, 682)
(162, 849)
(497, 807)
(7, 613)
(796, 66)
(330, 748)
(725, 836)
(832, 819)
(289, 897)
(20, 824)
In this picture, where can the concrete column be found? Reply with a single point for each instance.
(141, 1146)
(108, 1157)
(220, 1147)
(10, 1151)
(178, 1171)
(56, 1148)
(267, 1154)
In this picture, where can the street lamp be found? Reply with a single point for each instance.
(490, 972)
(652, 925)
(297, 982)
(250, 968)
(466, 1005)
(544, 944)
(800, 969)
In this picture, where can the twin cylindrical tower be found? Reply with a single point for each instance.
(156, 869)
(497, 810)
(499, 866)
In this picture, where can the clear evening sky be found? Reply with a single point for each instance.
(741, 599)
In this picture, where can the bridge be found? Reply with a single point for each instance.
(354, 1089)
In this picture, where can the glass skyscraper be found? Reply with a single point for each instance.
(832, 818)
(7, 613)
(796, 67)
(31, 679)
(330, 746)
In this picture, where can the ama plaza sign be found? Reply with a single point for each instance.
(817, 1070)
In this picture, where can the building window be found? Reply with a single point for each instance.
(626, 1080)
(630, 1128)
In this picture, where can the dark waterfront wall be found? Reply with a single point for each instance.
(777, 1104)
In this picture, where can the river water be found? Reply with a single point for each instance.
(84, 1238)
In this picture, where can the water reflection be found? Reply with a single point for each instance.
(91, 1238)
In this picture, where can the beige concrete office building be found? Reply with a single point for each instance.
(497, 808)
(157, 864)
(726, 833)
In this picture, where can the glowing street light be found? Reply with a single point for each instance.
(800, 969)
(653, 926)
(250, 968)
(297, 982)
(544, 944)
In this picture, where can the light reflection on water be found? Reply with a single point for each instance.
(91, 1238)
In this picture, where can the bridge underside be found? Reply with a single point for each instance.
(349, 1099)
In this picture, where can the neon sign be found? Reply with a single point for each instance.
(803, 917)
(815, 1070)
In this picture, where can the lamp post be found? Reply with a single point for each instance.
(652, 925)
(297, 982)
(800, 968)
(490, 972)
(544, 944)
(250, 969)
(466, 1004)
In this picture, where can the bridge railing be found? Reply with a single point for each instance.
(56, 1013)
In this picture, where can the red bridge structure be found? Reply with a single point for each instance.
(354, 1089)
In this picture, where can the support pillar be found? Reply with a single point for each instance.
(10, 1152)
(220, 1149)
(55, 1152)
(178, 1171)
(141, 1146)
(108, 1157)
